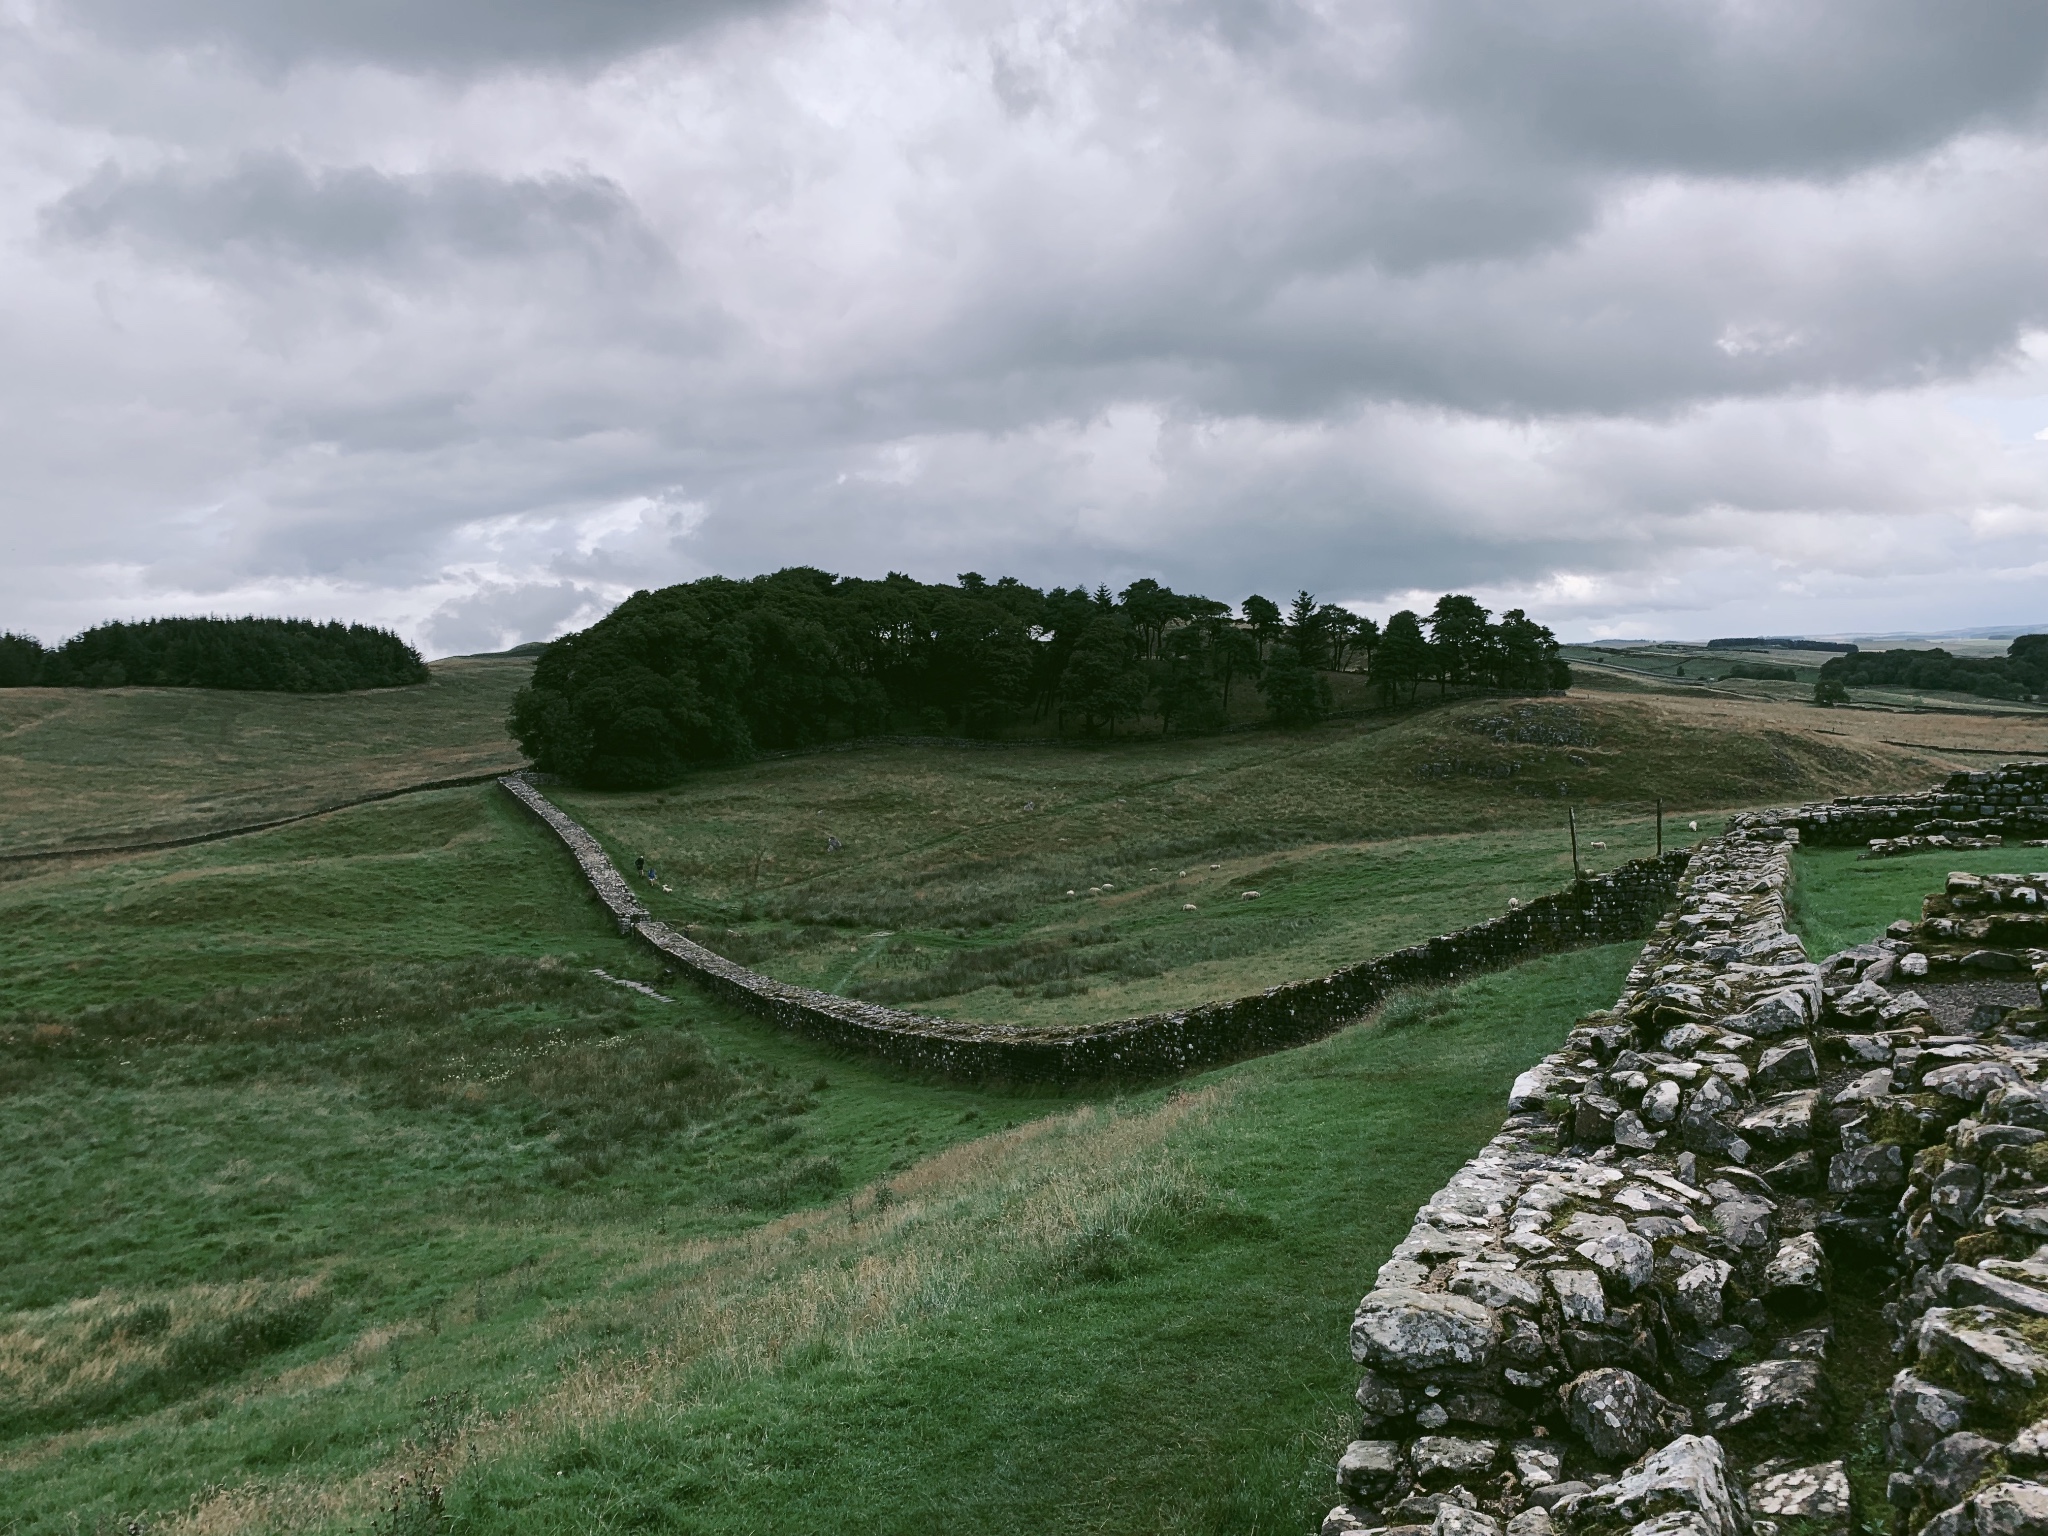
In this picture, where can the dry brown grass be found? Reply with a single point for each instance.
(1038, 1204)
(78, 1359)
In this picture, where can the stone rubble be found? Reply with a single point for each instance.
(1619, 1316)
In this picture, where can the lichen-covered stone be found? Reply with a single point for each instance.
(1955, 1465)
(1456, 1520)
(1689, 1476)
(1369, 1469)
(1868, 1175)
(1921, 1414)
(2010, 1507)
(1625, 1262)
(1979, 1350)
(1787, 1397)
(1787, 1066)
(1618, 1414)
(1419, 1332)
(1796, 1279)
(1818, 1495)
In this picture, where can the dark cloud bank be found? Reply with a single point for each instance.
(1655, 318)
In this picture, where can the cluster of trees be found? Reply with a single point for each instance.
(2022, 672)
(713, 669)
(1763, 671)
(273, 655)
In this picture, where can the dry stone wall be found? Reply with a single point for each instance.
(1620, 905)
(1968, 810)
(1728, 1203)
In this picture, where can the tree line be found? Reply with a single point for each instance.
(2021, 673)
(270, 655)
(712, 670)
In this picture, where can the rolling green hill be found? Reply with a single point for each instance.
(336, 1177)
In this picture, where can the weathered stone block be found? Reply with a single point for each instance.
(1689, 1477)
(1817, 1495)
(1418, 1332)
(1796, 1279)
(1775, 1397)
(1618, 1414)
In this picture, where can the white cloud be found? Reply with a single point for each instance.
(1673, 316)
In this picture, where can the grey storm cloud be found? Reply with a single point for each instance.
(274, 207)
(472, 318)
(459, 35)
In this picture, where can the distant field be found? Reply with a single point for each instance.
(1695, 668)
(89, 766)
(949, 889)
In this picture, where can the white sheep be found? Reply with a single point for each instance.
(1249, 896)
(1187, 906)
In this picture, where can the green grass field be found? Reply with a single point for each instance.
(1053, 885)
(1838, 900)
(336, 1178)
(90, 767)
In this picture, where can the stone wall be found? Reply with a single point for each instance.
(2010, 802)
(1730, 1203)
(1620, 905)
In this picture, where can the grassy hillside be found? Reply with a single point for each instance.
(87, 766)
(949, 889)
(335, 1177)
(270, 1252)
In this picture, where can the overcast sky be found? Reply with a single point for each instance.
(471, 317)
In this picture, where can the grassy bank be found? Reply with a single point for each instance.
(1057, 885)
(288, 1253)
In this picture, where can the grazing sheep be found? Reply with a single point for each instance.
(1187, 906)
(1692, 826)
(1249, 896)
(1514, 903)
(1599, 842)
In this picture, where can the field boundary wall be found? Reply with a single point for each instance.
(1624, 904)
(221, 834)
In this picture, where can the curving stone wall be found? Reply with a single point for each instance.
(1620, 905)
(1650, 1302)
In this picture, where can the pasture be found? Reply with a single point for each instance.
(344, 1196)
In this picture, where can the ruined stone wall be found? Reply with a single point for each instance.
(2010, 802)
(1620, 905)
(1714, 1225)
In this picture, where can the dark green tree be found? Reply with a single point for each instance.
(1403, 658)
(1263, 614)
(1462, 641)
(21, 661)
(1105, 679)
(1296, 693)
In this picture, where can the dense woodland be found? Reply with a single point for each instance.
(714, 669)
(2022, 672)
(270, 655)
